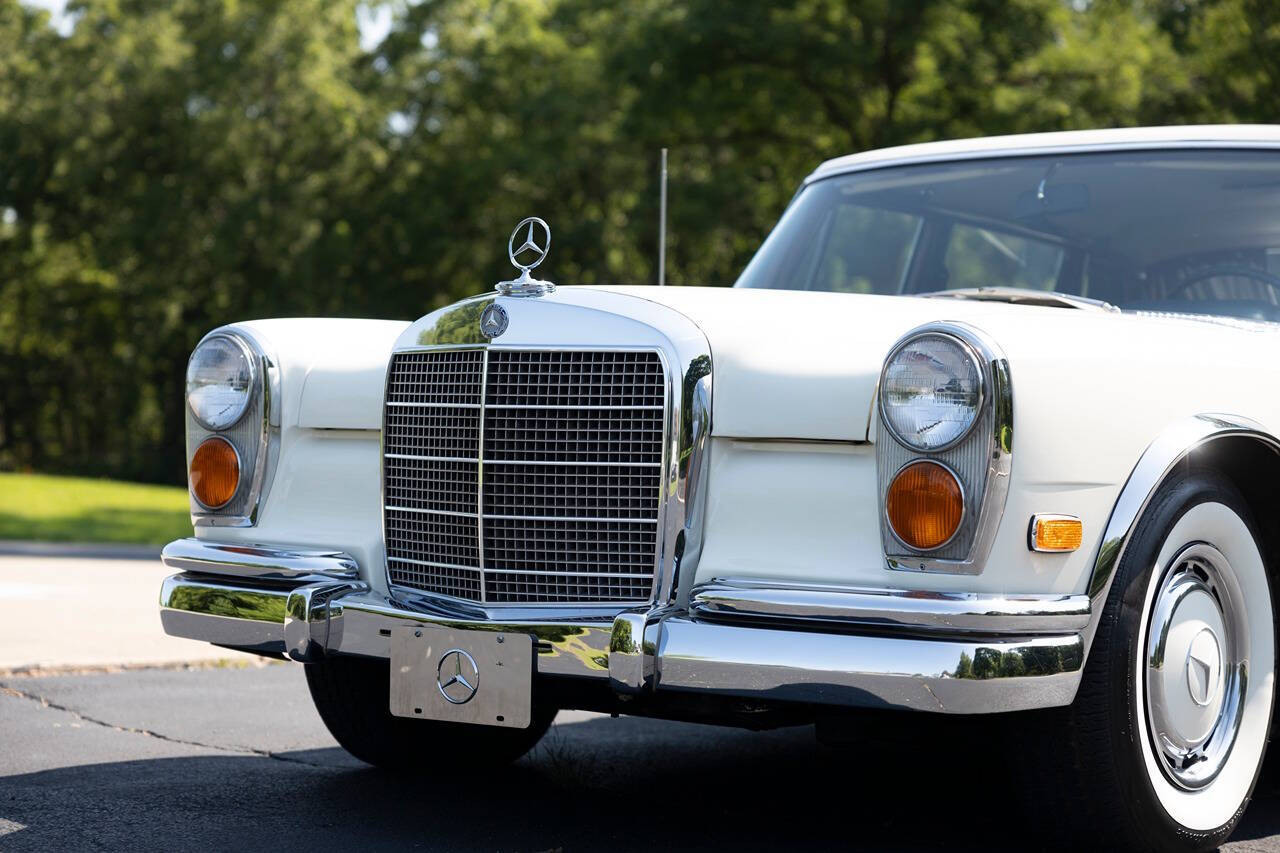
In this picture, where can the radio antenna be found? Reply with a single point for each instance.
(662, 223)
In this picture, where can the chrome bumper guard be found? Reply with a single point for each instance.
(948, 653)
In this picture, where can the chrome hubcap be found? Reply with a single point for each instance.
(1195, 672)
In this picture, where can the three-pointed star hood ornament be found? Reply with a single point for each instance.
(527, 247)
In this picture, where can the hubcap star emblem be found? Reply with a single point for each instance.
(1203, 662)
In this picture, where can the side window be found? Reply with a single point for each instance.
(866, 251)
(978, 257)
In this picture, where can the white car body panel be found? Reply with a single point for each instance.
(325, 486)
(801, 368)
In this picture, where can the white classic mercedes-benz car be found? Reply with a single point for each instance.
(985, 427)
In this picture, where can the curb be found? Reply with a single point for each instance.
(101, 551)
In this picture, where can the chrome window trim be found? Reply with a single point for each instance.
(974, 358)
(687, 364)
(964, 506)
(268, 380)
(821, 174)
(998, 394)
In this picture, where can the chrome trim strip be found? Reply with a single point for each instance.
(1175, 444)
(555, 574)
(531, 407)
(433, 405)
(262, 562)
(913, 610)
(428, 511)
(998, 394)
(821, 174)
(433, 563)
(598, 519)
(942, 676)
(561, 462)
(573, 462)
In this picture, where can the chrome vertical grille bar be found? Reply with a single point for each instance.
(484, 385)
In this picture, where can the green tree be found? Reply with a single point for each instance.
(173, 165)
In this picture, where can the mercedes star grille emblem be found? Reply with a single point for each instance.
(537, 242)
(457, 676)
(493, 322)
(527, 247)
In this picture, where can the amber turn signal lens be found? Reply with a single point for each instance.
(925, 505)
(1056, 533)
(215, 472)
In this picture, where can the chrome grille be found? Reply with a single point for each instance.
(524, 476)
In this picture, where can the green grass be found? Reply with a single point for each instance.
(76, 509)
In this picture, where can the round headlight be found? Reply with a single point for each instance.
(931, 392)
(220, 379)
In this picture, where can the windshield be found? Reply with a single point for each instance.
(1192, 231)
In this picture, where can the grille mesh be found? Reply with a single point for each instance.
(570, 460)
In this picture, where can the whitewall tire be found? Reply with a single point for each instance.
(1207, 668)
(1165, 740)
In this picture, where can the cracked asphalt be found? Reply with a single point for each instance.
(236, 758)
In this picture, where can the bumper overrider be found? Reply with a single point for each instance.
(836, 646)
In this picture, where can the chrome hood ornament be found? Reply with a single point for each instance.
(530, 240)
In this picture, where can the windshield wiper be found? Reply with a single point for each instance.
(1023, 296)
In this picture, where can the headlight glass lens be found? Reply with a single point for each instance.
(931, 393)
(219, 383)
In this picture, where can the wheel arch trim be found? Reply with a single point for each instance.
(1174, 445)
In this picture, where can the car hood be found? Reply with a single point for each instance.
(805, 365)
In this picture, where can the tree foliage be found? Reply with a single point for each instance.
(173, 165)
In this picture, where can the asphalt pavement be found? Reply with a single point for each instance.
(232, 756)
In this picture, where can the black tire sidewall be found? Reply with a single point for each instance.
(1120, 643)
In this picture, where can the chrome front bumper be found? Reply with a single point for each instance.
(949, 653)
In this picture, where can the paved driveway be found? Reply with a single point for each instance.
(234, 757)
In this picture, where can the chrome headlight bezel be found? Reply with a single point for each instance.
(255, 435)
(981, 458)
(975, 361)
(250, 360)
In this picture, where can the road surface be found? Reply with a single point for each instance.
(233, 757)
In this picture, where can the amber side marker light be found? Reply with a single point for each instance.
(924, 505)
(1055, 533)
(215, 472)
